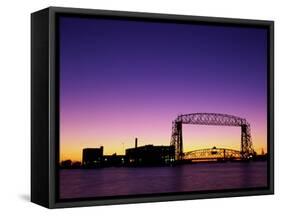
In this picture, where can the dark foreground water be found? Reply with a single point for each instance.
(82, 183)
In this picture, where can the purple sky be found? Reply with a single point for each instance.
(124, 79)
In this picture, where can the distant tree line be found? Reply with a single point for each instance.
(68, 164)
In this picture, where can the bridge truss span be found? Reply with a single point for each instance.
(212, 153)
(211, 119)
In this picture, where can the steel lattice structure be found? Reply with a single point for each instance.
(212, 153)
(211, 119)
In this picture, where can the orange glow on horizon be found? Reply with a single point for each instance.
(194, 138)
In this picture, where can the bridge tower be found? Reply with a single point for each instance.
(180, 140)
(246, 145)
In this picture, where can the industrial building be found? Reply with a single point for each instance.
(150, 155)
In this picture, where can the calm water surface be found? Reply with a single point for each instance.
(113, 181)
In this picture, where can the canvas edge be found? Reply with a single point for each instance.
(39, 108)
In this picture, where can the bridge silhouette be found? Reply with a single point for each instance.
(246, 149)
(212, 154)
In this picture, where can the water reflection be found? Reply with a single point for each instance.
(81, 183)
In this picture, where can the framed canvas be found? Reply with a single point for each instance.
(139, 107)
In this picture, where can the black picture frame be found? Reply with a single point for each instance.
(45, 106)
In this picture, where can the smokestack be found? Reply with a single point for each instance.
(136, 142)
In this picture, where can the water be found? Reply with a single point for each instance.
(114, 181)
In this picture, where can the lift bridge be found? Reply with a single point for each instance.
(246, 150)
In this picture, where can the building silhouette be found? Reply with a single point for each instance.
(150, 155)
(113, 160)
(92, 157)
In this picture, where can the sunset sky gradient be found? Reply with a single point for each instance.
(124, 79)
